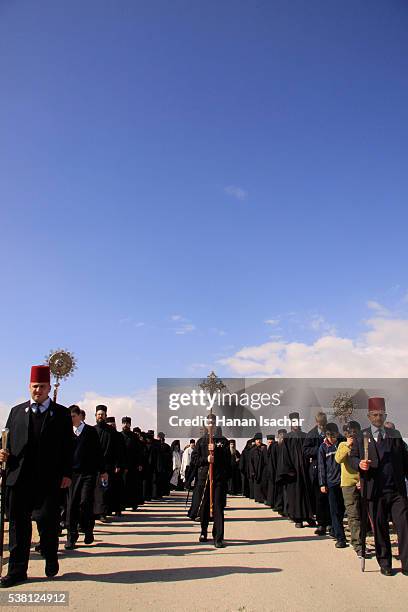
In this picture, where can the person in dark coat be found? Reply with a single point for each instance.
(383, 478)
(164, 468)
(270, 471)
(281, 503)
(103, 489)
(39, 464)
(150, 467)
(221, 474)
(116, 485)
(311, 445)
(294, 473)
(257, 467)
(132, 477)
(234, 482)
(244, 468)
(88, 461)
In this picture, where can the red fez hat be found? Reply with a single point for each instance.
(376, 403)
(40, 374)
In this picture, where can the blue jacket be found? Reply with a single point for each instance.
(329, 470)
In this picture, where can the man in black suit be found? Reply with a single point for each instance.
(383, 475)
(39, 464)
(88, 461)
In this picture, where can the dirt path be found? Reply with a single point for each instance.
(152, 560)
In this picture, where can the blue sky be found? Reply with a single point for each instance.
(174, 174)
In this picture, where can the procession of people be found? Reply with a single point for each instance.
(65, 473)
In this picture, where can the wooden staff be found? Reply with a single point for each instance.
(211, 468)
(364, 504)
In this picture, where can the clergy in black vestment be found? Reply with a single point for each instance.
(39, 463)
(234, 482)
(103, 489)
(293, 471)
(164, 468)
(281, 498)
(150, 467)
(221, 474)
(132, 476)
(244, 469)
(270, 471)
(116, 490)
(257, 466)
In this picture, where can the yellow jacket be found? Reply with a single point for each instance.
(349, 476)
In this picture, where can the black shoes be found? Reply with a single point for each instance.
(9, 581)
(404, 572)
(51, 568)
(69, 546)
(89, 538)
(219, 544)
(203, 538)
(387, 571)
(320, 531)
(341, 544)
(104, 519)
(299, 525)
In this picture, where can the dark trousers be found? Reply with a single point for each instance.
(352, 502)
(321, 505)
(103, 495)
(336, 504)
(80, 505)
(28, 502)
(380, 509)
(218, 510)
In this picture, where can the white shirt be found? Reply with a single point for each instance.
(78, 430)
(376, 431)
(43, 407)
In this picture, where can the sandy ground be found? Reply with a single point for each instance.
(152, 560)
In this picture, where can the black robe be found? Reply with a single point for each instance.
(103, 495)
(132, 478)
(271, 458)
(294, 473)
(257, 467)
(234, 482)
(246, 480)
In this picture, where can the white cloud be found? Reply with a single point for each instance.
(185, 328)
(319, 323)
(378, 308)
(382, 351)
(141, 407)
(236, 192)
(272, 321)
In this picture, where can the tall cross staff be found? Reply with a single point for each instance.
(211, 385)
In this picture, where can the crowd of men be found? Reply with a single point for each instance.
(64, 472)
(318, 478)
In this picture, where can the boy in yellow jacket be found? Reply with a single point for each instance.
(350, 482)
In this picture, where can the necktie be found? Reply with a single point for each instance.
(380, 438)
(35, 407)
